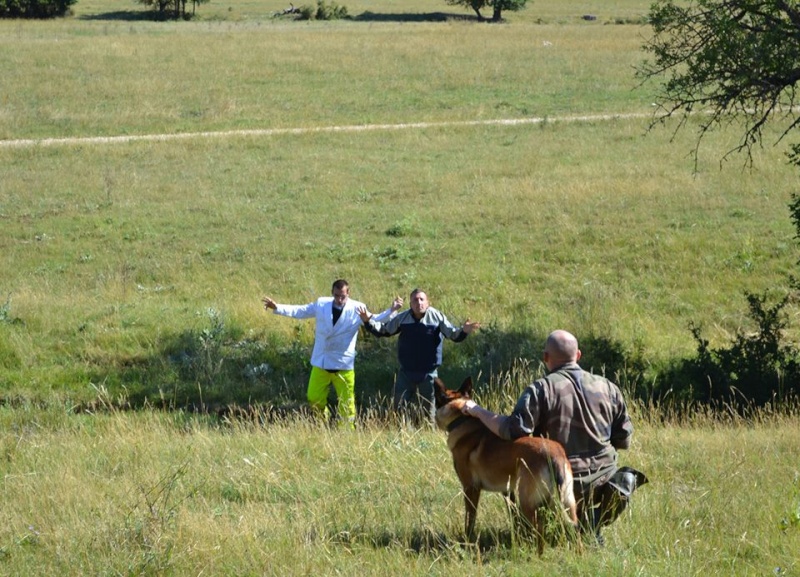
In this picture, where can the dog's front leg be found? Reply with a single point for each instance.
(472, 495)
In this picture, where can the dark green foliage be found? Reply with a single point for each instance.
(202, 369)
(738, 59)
(214, 367)
(494, 355)
(172, 9)
(734, 61)
(306, 12)
(323, 11)
(755, 368)
(211, 368)
(330, 11)
(35, 8)
(497, 6)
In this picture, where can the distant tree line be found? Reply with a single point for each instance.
(34, 8)
(177, 8)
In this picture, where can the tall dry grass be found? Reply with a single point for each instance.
(151, 493)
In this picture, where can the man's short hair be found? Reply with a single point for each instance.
(562, 346)
(340, 284)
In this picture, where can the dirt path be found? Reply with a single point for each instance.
(33, 142)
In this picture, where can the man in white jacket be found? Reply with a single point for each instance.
(334, 354)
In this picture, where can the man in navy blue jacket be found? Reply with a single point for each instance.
(422, 331)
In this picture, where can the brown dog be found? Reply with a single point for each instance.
(534, 469)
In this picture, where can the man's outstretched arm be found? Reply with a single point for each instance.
(497, 424)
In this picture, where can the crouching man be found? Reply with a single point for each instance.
(584, 412)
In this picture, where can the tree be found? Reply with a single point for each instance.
(731, 60)
(497, 6)
(172, 8)
(735, 61)
(35, 8)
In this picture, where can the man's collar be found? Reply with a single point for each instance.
(571, 366)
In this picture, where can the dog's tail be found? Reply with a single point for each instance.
(566, 490)
(555, 486)
(563, 490)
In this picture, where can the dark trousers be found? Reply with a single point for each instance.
(603, 496)
(413, 397)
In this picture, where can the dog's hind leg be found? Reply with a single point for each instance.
(538, 523)
(532, 519)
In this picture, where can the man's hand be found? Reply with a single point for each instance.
(470, 327)
(492, 421)
(364, 314)
(269, 303)
(397, 304)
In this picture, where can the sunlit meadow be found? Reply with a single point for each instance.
(369, 149)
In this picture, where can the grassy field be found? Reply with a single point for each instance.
(134, 270)
(119, 256)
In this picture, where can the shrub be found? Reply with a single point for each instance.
(306, 12)
(330, 11)
(756, 367)
(323, 11)
(35, 8)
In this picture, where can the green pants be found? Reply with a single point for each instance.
(344, 382)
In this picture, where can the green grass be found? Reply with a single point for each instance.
(114, 253)
(134, 270)
(156, 494)
(108, 77)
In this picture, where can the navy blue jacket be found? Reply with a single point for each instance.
(419, 348)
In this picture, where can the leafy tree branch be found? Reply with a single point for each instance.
(729, 60)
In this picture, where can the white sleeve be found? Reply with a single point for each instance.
(297, 311)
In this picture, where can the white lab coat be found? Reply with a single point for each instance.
(334, 345)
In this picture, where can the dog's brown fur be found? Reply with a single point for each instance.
(534, 469)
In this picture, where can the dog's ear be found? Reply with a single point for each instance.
(440, 392)
(466, 387)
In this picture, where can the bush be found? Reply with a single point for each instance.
(756, 368)
(35, 8)
(306, 12)
(330, 11)
(323, 11)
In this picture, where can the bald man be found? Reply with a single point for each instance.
(584, 412)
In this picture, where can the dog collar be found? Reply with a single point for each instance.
(457, 423)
